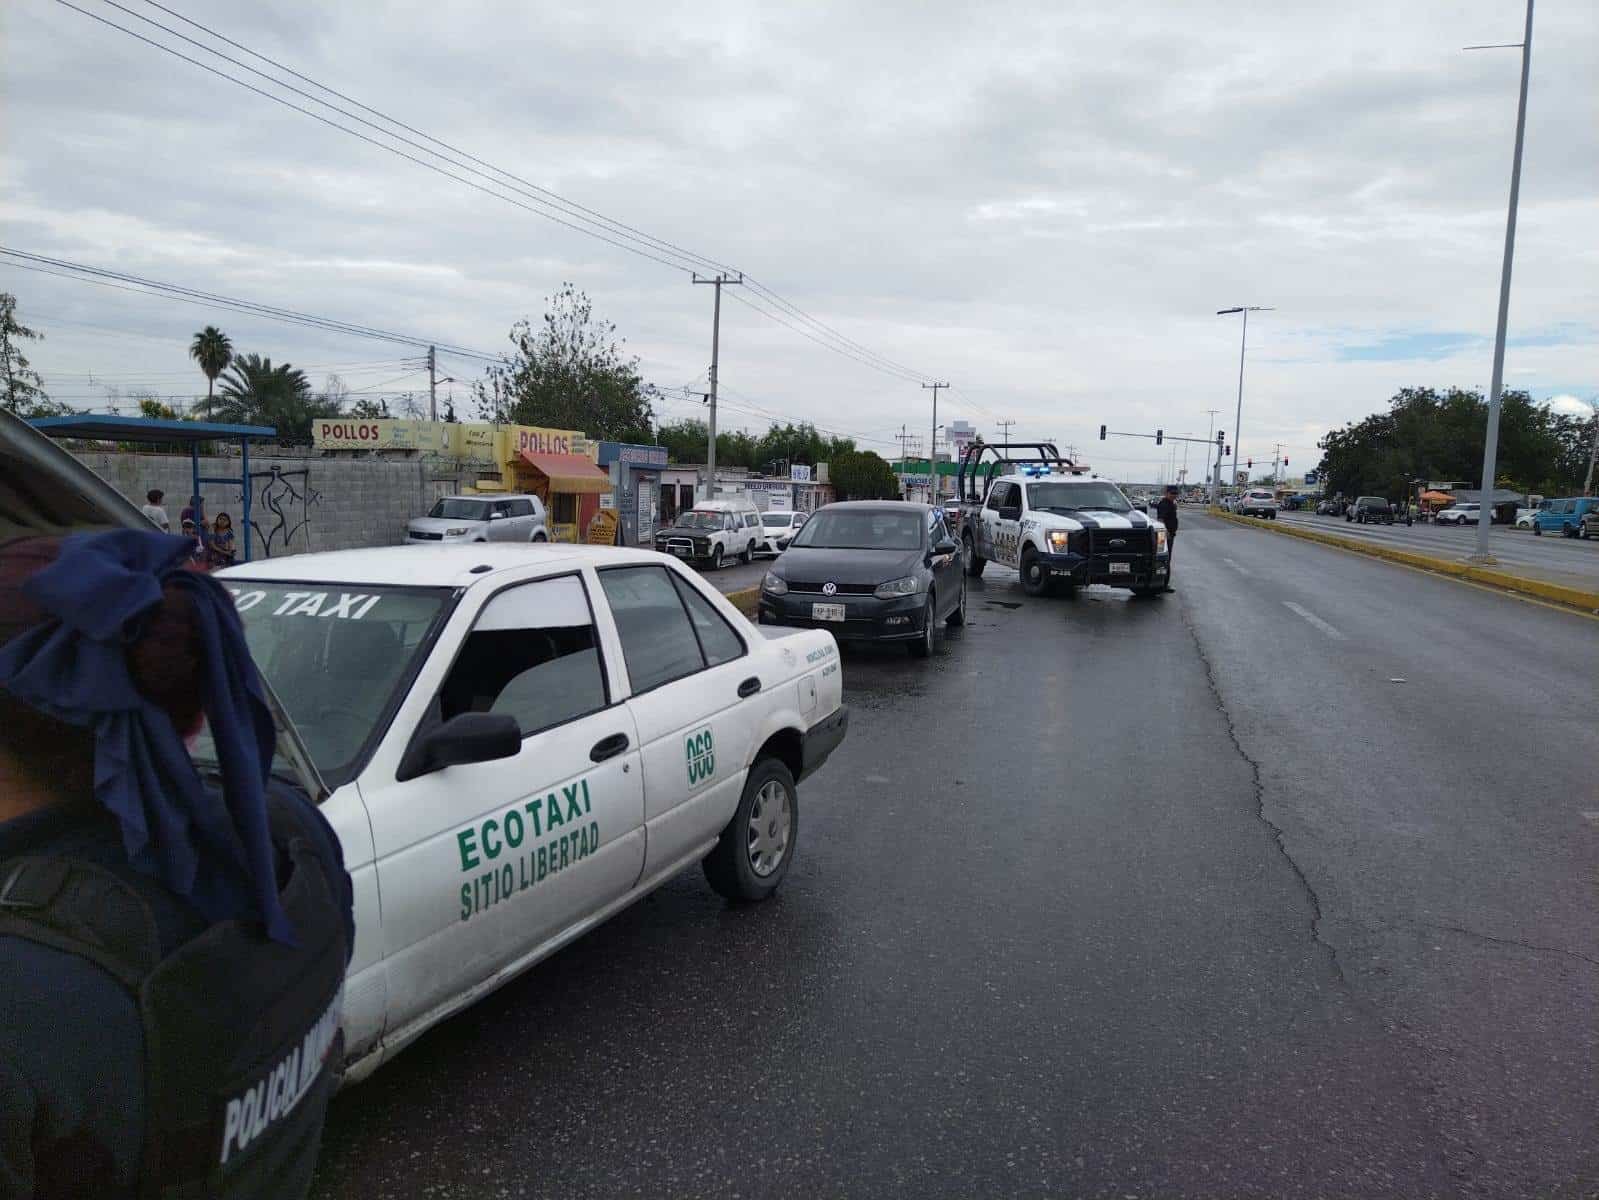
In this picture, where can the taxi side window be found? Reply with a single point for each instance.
(533, 653)
(658, 640)
(717, 638)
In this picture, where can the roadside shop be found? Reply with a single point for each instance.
(557, 466)
(634, 473)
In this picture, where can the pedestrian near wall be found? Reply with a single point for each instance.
(173, 949)
(153, 509)
(221, 550)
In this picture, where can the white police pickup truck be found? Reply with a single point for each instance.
(1029, 510)
(521, 741)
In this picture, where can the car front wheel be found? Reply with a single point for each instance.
(751, 858)
(716, 557)
(922, 647)
(957, 616)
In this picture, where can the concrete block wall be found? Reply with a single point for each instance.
(298, 504)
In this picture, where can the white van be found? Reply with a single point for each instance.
(714, 531)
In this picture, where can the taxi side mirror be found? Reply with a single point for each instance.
(469, 737)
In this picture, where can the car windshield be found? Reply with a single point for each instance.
(453, 508)
(334, 654)
(1064, 496)
(777, 520)
(863, 529)
(694, 519)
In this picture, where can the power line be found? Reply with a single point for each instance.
(583, 220)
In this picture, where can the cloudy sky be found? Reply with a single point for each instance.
(1043, 203)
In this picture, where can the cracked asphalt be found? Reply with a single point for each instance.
(1281, 885)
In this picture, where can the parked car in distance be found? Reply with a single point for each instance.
(870, 570)
(1563, 516)
(456, 519)
(1328, 508)
(1370, 510)
(1466, 512)
(1258, 502)
(1590, 525)
(1524, 517)
(778, 527)
(714, 531)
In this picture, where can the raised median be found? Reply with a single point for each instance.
(1581, 599)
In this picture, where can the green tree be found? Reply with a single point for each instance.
(569, 372)
(369, 409)
(154, 408)
(25, 394)
(685, 441)
(863, 475)
(254, 392)
(213, 351)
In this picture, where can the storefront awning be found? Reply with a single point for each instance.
(570, 473)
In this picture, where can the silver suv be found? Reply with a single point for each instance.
(454, 519)
(1257, 502)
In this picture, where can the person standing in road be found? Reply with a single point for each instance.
(1166, 514)
(153, 509)
(173, 948)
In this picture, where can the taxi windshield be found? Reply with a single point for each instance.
(335, 655)
(1061, 496)
(699, 520)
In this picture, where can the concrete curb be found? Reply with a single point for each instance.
(1554, 593)
(746, 600)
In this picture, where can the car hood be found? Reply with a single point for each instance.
(44, 491)
(820, 565)
(440, 524)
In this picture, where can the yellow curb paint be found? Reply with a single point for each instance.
(1554, 593)
(746, 600)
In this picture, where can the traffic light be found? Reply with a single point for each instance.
(1159, 435)
(1226, 450)
(1221, 437)
(1285, 460)
(1101, 433)
(1250, 463)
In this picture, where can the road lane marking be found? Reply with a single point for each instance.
(1315, 620)
(1236, 567)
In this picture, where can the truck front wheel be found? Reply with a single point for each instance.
(974, 563)
(1035, 579)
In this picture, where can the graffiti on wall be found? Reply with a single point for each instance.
(281, 518)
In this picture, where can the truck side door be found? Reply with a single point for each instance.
(1001, 517)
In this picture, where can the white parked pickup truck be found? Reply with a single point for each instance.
(521, 741)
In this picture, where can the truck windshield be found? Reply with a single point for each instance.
(1064, 496)
(699, 520)
(334, 654)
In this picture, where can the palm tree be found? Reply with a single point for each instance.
(213, 351)
(254, 392)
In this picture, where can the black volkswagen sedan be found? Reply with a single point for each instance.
(869, 570)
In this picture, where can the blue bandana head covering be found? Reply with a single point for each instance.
(215, 851)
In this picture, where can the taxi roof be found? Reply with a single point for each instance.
(430, 566)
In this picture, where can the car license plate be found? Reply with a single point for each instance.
(680, 551)
(827, 612)
(1121, 568)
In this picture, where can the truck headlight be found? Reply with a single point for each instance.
(1060, 540)
(1160, 539)
(774, 584)
(907, 586)
(456, 532)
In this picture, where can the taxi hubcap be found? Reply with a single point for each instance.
(771, 820)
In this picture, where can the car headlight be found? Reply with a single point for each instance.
(1060, 540)
(774, 584)
(907, 586)
(456, 532)
(1160, 539)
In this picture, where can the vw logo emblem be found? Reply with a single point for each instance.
(829, 589)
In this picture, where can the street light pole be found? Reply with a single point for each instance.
(1243, 341)
(1490, 449)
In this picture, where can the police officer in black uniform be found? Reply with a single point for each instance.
(1166, 513)
(172, 950)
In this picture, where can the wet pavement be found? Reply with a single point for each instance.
(1278, 885)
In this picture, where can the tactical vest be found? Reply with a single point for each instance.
(241, 1034)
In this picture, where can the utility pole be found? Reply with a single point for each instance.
(932, 446)
(1593, 451)
(433, 385)
(1490, 449)
(716, 353)
(1005, 428)
(904, 438)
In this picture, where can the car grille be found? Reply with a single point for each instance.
(1137, 541)
(840, 589)
(423, 536)
(681, 543)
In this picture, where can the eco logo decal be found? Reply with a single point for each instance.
(699, 748)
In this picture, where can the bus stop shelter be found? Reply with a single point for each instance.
(189, 434)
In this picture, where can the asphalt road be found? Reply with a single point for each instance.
(1280, 885)
(1569, 561)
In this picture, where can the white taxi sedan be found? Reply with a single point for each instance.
(521, 741)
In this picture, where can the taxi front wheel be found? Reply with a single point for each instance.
(751, 857)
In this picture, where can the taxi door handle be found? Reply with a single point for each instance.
(749, 687)
(608, 747)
